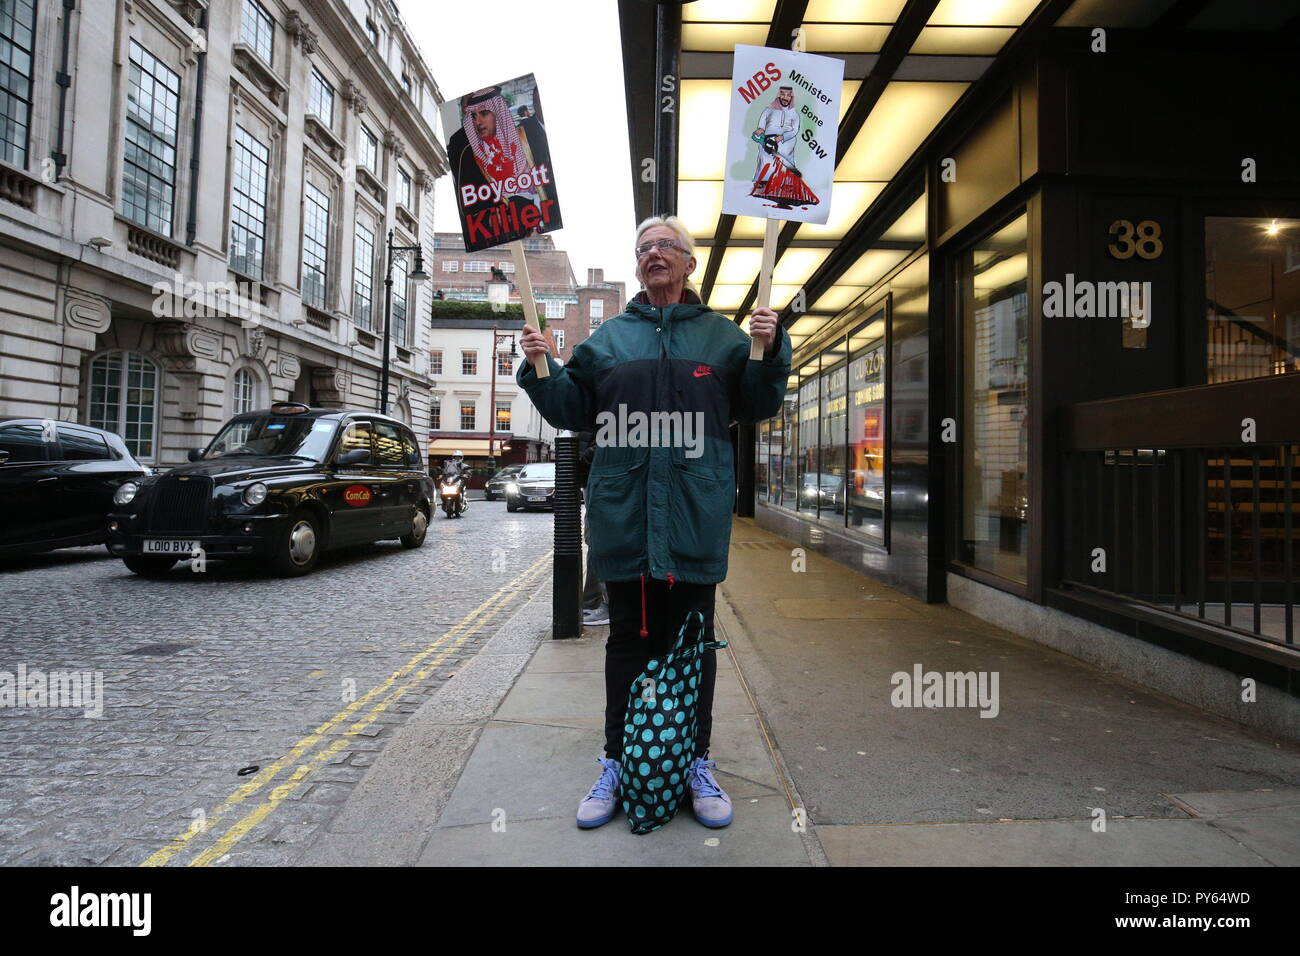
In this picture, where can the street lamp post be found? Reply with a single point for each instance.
(497, 338)
(418, 276)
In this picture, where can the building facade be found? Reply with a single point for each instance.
(204, 232)
(1047, 346)
(470, 340)
(487, 417)
(571, 309)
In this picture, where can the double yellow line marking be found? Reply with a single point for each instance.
(397, 685)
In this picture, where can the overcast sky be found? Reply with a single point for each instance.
(573, 49)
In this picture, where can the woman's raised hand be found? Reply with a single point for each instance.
(533, 343)
(763, 325)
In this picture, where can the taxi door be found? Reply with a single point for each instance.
(356, 491)
(402, 487)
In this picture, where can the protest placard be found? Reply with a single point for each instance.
(782, 130)
(501, 172)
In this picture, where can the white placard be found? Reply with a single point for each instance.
(784, 121)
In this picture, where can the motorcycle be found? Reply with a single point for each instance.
(451, 492)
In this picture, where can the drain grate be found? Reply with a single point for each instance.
(158, 650)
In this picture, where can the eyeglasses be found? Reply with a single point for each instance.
(663, 245)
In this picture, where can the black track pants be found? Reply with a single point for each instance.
(626, 652)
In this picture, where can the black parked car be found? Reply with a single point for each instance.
(496, 485)
(57, 481)
(533, 487)
(279, 486)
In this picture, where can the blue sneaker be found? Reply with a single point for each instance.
(711, 804)
(601, 803)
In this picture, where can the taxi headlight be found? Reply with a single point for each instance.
(125, 493)
(255, 494)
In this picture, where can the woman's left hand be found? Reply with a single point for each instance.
(763, 325)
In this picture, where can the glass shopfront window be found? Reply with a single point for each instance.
(790, 449)
(993, 294)
(828, 490)
(1252, 297)
(866, 429)
(824, 455)
(807, 468)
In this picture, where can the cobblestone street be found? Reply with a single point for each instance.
(207, 675)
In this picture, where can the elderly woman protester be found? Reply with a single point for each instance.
(659, 511)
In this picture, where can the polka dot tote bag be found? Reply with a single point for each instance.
(659, 736)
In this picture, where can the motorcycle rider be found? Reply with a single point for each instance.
(455, 469)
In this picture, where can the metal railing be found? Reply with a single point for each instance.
(1185, 502)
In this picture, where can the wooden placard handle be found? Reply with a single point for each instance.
(525, 284)
(756, 347)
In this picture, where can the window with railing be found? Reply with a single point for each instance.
(149, 154)
(17, 47)
(248, 204)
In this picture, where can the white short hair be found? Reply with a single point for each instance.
(683, 234)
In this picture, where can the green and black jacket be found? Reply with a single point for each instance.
(656, 511)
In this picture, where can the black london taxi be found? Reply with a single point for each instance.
(279, 487)
(57, 481)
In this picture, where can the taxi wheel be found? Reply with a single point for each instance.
(511, 506)
(148, 566)
(419, 529)
(299, 546)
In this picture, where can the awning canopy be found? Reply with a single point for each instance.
(469, 447)
(907, 64)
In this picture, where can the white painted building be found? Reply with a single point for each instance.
(194, 204)
(464, 403)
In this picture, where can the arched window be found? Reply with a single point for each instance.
(243, 392)
(123, 398)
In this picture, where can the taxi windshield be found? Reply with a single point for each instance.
(279, 436)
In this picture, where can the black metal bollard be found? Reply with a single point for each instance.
(566, 594)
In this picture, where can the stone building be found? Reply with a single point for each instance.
(194, 205)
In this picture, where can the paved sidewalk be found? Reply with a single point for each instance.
(887, 785)
(491, 771)
(537, 757)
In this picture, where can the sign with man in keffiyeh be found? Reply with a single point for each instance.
(501, 164)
